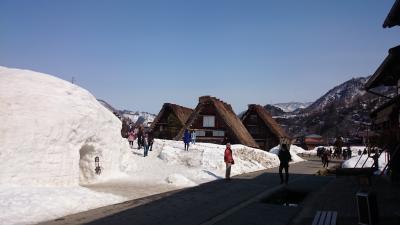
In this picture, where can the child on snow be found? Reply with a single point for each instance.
(131, 138)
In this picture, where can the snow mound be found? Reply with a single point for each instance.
(180, 180)
(52, 130)
(203, 162)
(358, 162)
(294, 150)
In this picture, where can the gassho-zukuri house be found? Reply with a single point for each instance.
(262, 127)
(215, 122)
(170, 120)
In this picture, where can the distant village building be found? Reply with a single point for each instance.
(262, 127)
(170, 120)
(215, 122)
(386, 118)
(311, 141)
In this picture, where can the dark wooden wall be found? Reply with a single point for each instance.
(170, 126)
(260, 132)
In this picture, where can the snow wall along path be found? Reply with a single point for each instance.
(51, 131)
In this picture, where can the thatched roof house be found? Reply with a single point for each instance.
(262, 127)
(170, 121)
(393, 18)
(216, 122)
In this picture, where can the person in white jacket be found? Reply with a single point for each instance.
(193, 136)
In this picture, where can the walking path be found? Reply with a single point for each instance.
(210, 203)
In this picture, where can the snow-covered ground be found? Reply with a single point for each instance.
(168, 163)
(50, 133)
(358, 162)
(294, 152)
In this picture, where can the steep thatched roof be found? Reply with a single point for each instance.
(182, 113)
(388, 72)
(227, 114)
(393, 18)
(267, 119)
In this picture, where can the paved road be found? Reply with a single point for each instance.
(217, 202)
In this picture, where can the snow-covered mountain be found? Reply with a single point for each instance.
(138, 118)
(107, 105)
(343, 95)
(343, 110)
(292, 106)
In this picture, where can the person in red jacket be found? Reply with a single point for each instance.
(228, 161)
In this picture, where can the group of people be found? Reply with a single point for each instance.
(342, 153)
(326, 153)
(144, 139)
(189, 137)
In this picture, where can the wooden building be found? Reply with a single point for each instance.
(262, 127)
(393, 18)
(216, 122)
(313, 140)
(170, 121)
(386, 118)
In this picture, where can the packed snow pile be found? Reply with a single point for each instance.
(51, 131)
(169, 163)
(294, 152)
(358, 161)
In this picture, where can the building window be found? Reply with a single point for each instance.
(208, 121)
(161, 128)
(200, 133)
(218, 133)
(253, 129)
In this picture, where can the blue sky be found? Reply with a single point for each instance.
(139, 54)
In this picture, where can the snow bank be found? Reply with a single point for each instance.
(294, 151)
(204, 162)
(51, 131)
(352, 162)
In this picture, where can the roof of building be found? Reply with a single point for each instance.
(267, 119)
(227, 114)
(182, 113)
(388, 72)
(393, 18)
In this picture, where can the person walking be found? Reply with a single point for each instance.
(349, 153)
(145, 144)
(228, 159)
(193, 137)
(284, 158)
(186, 139)
(140, 137)
(150, 137)
(325, 159)
(131, 138)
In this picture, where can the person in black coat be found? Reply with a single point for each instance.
(140, 136)
(150, 137)
(284, 158)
